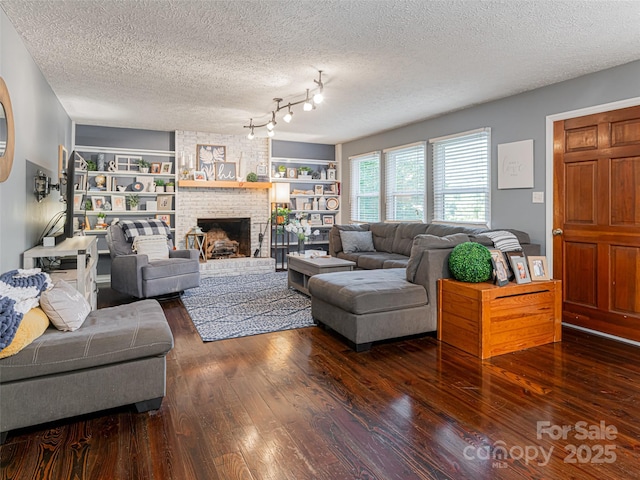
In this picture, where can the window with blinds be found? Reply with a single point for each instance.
(365, 187)
(461, 170)
(405, 173)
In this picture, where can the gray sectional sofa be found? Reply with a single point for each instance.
(393, 241)
(117, 357)
(393, 292)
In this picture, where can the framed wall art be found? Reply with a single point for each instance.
(207, 155)
(225, 171)
(164, 202)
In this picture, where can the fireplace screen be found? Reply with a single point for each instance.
(227, 237)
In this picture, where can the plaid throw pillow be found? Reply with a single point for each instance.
(151, 226)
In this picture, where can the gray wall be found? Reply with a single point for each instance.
(515, 118)
(317, 151)
(41, 124)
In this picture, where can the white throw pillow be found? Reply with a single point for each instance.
(153, 246)
(65, 306)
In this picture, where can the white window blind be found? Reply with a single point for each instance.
(365, 187)
(405, 173)
(461, 169)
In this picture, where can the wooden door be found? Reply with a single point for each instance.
(596, 243)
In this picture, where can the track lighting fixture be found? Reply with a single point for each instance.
(288, 116)
(308, 104)
(251, 134)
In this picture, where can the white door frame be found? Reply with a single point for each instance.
(581, 112)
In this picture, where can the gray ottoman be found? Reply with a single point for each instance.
(369, 305)
(116, 358)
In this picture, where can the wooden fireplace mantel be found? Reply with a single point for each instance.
(216, 184)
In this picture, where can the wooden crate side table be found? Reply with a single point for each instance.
(486, 320)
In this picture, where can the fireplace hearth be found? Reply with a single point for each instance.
(227, 237)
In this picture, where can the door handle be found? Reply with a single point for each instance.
(556, 232)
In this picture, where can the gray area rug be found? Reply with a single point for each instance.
(239, 306)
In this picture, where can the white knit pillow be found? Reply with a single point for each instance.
(65, 306)
(153, 246)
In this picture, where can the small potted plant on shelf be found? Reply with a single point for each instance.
(134, 200)
(143, 165)
(170, 186)
(101, 225)
(304, 172)
(159, 184)
(88, 205)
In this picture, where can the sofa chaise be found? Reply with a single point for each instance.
(393, 293)
(116, 358)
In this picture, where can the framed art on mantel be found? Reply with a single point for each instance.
(207, 155)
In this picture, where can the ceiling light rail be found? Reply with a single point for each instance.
(308, 103)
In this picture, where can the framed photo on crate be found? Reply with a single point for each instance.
(538, 268)
(520, 269)
(500, 268)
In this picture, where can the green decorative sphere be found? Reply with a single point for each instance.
(470, 262)
(252, 177)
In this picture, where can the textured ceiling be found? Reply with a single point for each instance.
(212, 65)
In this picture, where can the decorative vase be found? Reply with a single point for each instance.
(100, 162)
(301, 246)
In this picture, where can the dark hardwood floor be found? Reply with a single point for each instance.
(301, 405)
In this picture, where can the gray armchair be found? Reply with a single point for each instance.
(135, 275)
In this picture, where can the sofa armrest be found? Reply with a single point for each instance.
(126, 275)
(433, 266)
(190, 254)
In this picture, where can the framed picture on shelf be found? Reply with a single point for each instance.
(327, 219)
(207, 155)
(164, 202)
(165, 218)
(519, 266)
(166, 167)
(262, 170)
(155, 167)
(97, 203)
(319, 189)
(292, 172)
(331, 174)
(77, 201)
(225, 171)
(538, 268)
(118, 203)
(151, 205)
(200, 175)
(314, 219)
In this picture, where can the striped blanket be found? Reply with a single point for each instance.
(504, 241)
(19, 292)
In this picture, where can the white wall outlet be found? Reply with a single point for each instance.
(537, 197)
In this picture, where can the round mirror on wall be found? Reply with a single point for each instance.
(7, 135)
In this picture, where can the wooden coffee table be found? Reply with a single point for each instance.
(301, 269)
